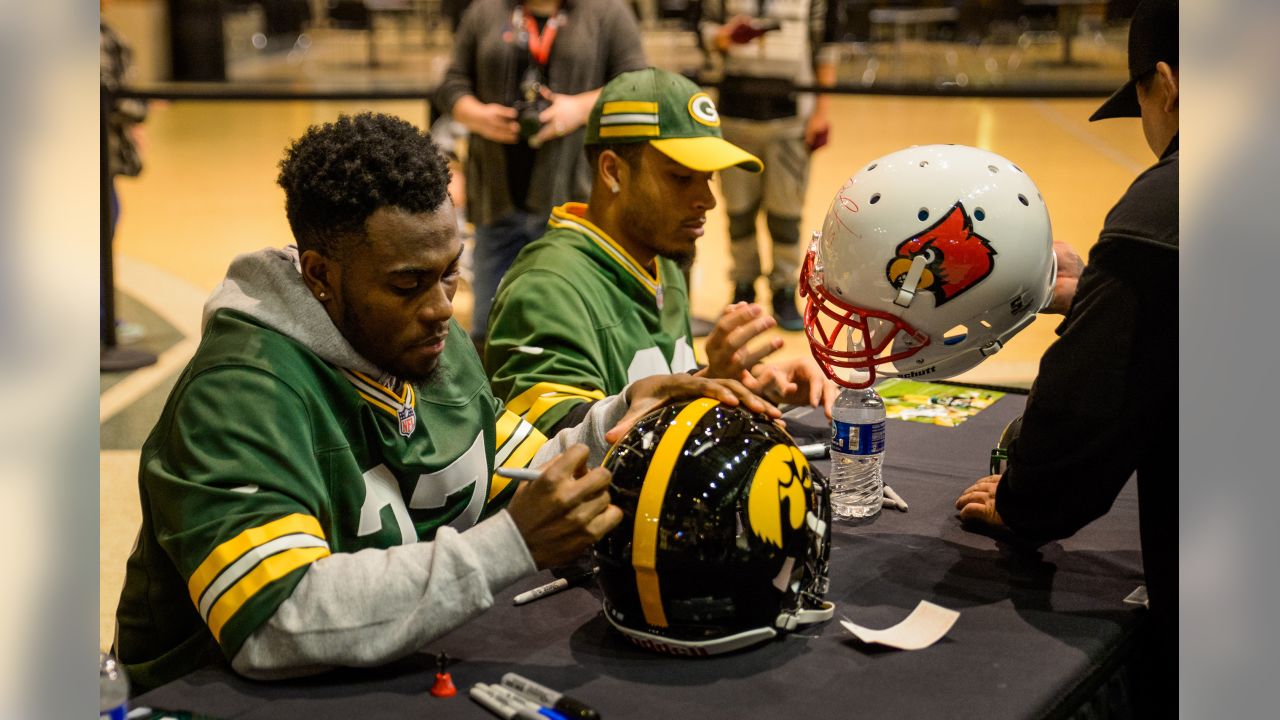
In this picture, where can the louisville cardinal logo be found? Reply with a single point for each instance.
(783, 475)
(956, 257)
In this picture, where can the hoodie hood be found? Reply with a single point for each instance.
(267, 286)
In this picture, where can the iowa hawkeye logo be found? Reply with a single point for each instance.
(783, 475)
(956, 258)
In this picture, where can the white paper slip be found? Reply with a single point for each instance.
(926, 625)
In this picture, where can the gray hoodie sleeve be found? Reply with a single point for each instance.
(371, 607)
(590, 432)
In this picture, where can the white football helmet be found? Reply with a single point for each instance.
(929, 260)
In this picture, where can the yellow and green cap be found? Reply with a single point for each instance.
(669, 112)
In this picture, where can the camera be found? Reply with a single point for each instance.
(530, 103)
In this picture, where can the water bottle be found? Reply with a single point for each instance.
(113, 689)
(857, 453)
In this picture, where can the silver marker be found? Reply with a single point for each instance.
(552, 587)
(526, 708)
(814, 451)
(490, 700)
(519, 474)
(890, 494)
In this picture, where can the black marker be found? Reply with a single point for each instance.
(566, 706)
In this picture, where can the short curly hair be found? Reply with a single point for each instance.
(337, 174)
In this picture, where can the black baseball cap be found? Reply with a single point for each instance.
(1153, 38)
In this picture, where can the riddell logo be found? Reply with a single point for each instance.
(659, 646)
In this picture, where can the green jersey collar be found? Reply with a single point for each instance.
(570, 216)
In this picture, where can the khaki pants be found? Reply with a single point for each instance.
(778, 191)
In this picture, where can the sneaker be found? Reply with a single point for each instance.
(784, 309)
(744, 292)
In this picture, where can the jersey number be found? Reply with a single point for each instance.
(649, 361)
(431, 491)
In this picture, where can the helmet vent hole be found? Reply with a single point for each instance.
(1015, 167)
(872, 167)
(993, 169)
(1023, 199)
(979, 214)
(875, 198)
(923, 214)
(924, 163)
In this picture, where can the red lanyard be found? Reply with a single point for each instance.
(540, 45)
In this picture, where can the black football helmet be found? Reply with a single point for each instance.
(725, 533)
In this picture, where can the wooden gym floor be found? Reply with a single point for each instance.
(209, 193)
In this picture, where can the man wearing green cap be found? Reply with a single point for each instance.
(599, 300)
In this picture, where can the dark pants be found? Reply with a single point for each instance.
(496, 248)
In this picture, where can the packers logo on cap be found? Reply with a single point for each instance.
(703, 110)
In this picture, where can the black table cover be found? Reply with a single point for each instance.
(1039, 633)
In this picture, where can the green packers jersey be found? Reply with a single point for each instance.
(577, 318)
(266, 458)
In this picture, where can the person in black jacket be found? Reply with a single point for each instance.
(1104, 404)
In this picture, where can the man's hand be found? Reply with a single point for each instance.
(488, 120)
(798, 382)
(817, 131)
(565, 511)
(1064, 287)
(978, 503)
(565, 114)
(738, 30)
(651, 393)
(727, 352)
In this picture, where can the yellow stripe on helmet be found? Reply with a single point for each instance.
(644, 545)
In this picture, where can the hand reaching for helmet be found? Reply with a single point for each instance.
(1070, 266)
(566, 510)
(727, 353)
(798, 382)
(651, 393)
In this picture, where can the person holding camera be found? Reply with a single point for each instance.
(523, 78)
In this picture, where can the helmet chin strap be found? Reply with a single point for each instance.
(907, 292)
(791, 620)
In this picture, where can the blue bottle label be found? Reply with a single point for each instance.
(854, 439)
(119, 712)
